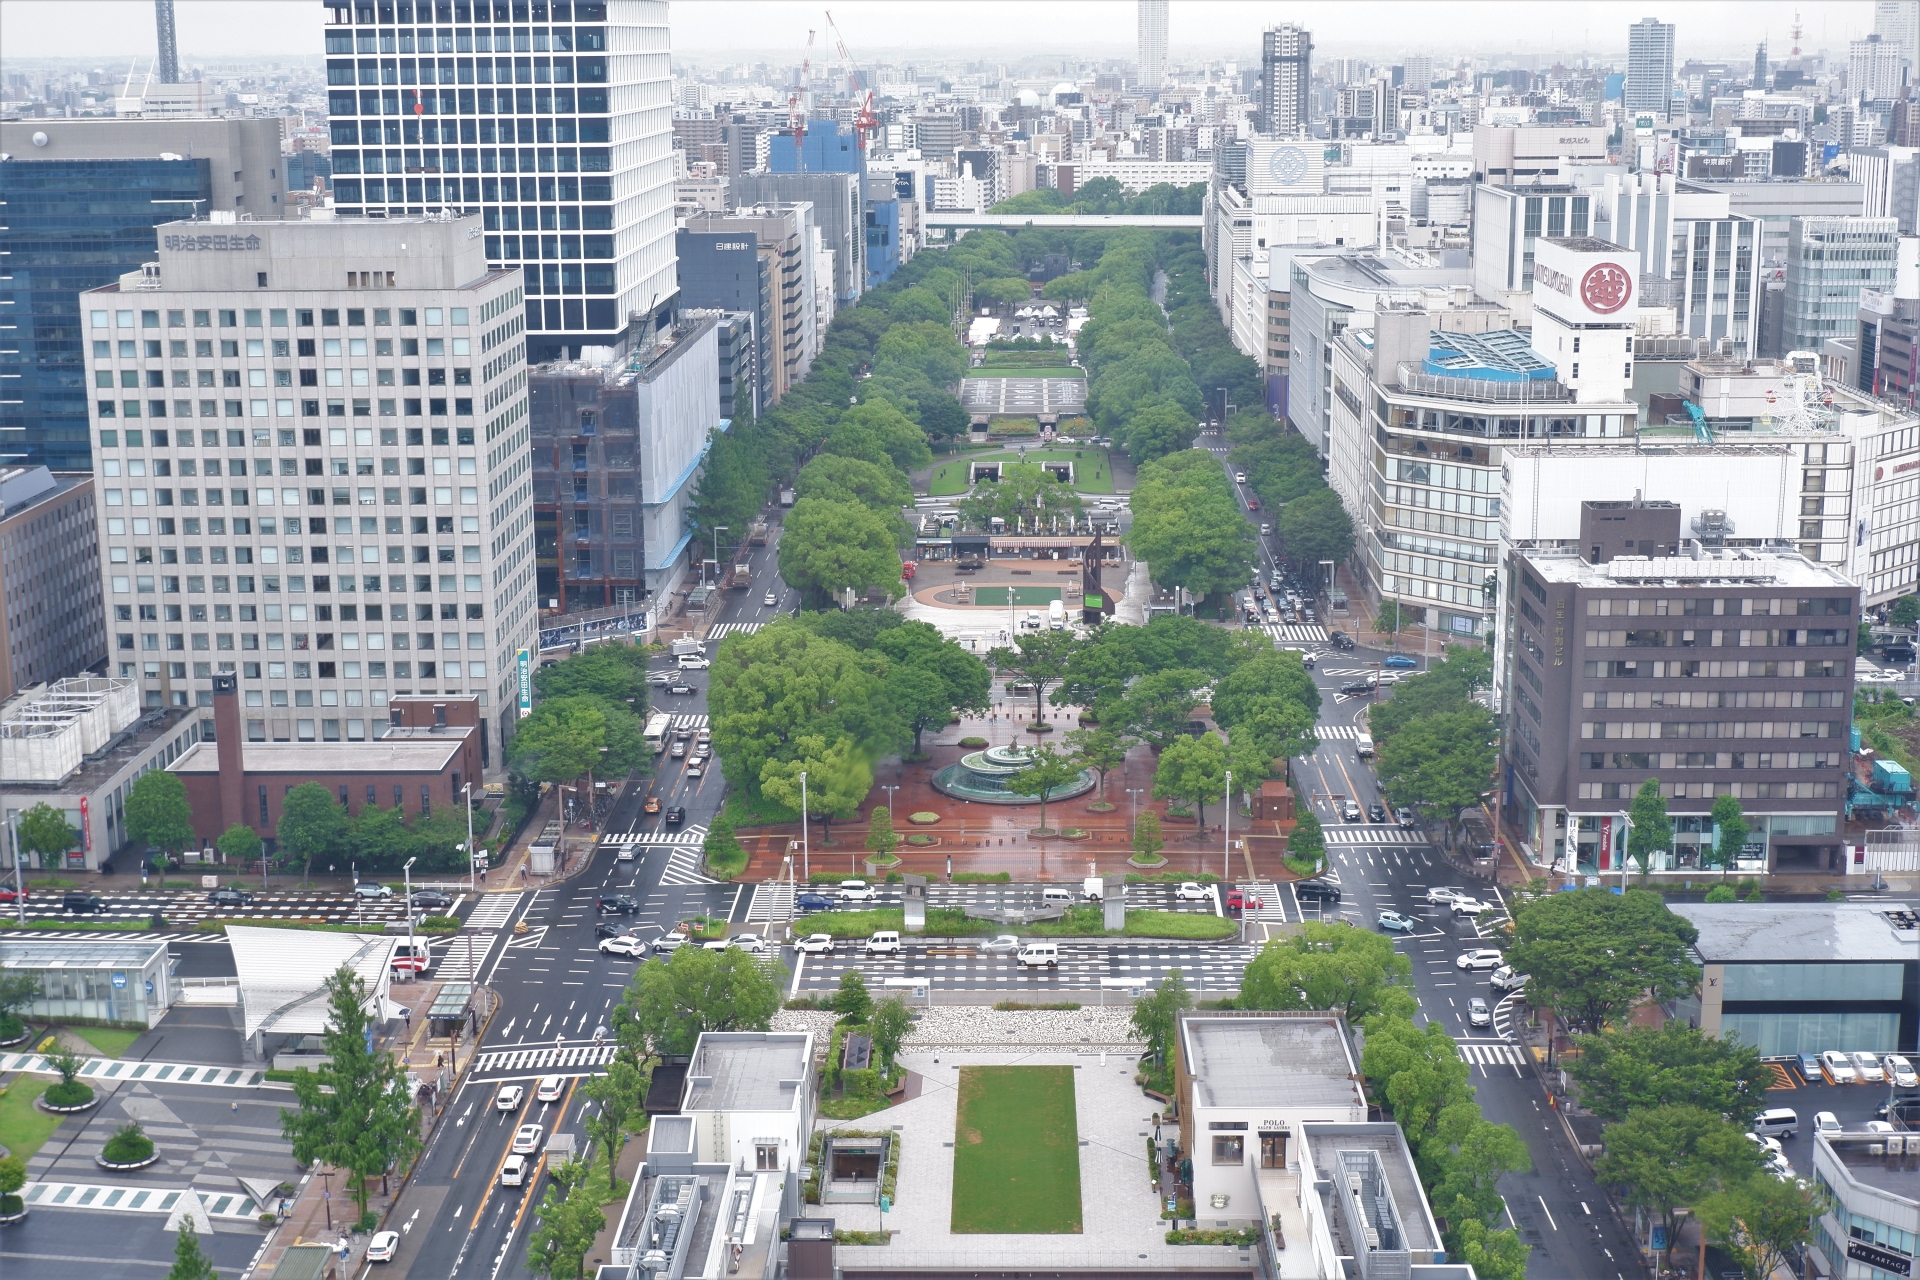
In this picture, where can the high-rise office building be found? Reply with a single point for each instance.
(1153, 43)
(51, 624)
(1829, 262)
(1897, 22)
(82, 198)
(1418, 73)
(556, 117)
(1286, 80)
(312, 470)
(1649, 86)
(1876, 69)
(757, 260)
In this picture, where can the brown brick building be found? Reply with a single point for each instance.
(428, 753)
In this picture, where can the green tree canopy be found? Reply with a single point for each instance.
(1045, 772)
(830, 547)
(1675, 1156)
(1193, 769)
(1592, 955)
(567, 737)
(1040, 659)
(1188, 526)
(1353, 972)
(354, 1112)
(615, 671)
(312, 825)
(158, 813)
(840, 479)
(1316, 527)
(784, 681)
(1652, 830)
(1007, 291)
(670, 1002)
(1025, 490)
(189, 1262)
(239, 843)
(839, 776)
(44, 830)
(1761, 1222)
(1731, 823)
(1440, 762)
(1624, 1070)
(1156, 1016)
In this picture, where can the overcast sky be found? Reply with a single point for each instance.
(1384, 30)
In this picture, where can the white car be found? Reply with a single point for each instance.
(1826, 1122)
(1478, 1014)
(632, 948)
(368, 889)
(526, 1139)
(1440, 895)
(514, 1172)
(693, 662)
(1192, 891)
(509, 1098)
(1481, 959)
(1900, 1071)
(1505, 979)
(1470, 906)
(815, 944)
(751, 943)
(770, 599)
(626, 854)
(668, 943)
(1868, 1068)
(857, 891)
(1239, 477)
(1005, 944)
(1838, 1068)
(549, 1089)
(383, 1246)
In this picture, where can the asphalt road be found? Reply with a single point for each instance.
(556, 987)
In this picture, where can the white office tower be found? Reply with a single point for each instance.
(1649, 87)
(1153, 43)
(552, 120)
(1584, 312)
(312, 470)
(1876, 69)
(1897, 22)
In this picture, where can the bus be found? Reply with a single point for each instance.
(657, 731)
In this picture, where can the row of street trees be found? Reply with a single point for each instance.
(1286, 471)
(1676, 1100)
(1188, 527)
(1436, 744)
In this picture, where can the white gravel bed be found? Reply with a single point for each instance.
(981, 1027)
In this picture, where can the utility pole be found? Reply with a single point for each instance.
(806, 855)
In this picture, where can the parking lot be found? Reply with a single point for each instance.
(1854, 1105)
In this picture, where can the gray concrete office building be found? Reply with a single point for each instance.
(1636, 653)
(51, 623)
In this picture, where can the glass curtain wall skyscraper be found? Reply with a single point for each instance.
(551, 118)
(1153, 43)
(1649, 86)
(1286, 80)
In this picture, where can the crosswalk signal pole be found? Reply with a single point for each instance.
(1226, 837)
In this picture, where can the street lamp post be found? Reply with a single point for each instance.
(889, 791)
(406, 872)
(467, 791)
(717, 531)
(1626, 825)
(806, 852)
(1226, 835)
(19, 891)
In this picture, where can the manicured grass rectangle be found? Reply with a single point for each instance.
(1016, 1152)
(1027, 596)
(23, 1126)
(110, 1041)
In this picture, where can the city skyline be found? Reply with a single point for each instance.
(122, 29)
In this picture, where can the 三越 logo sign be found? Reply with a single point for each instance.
(1606, 288)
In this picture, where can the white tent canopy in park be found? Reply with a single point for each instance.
(283, 975)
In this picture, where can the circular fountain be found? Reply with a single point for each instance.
(982, 776)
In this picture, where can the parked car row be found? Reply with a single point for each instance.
(1859, 1067)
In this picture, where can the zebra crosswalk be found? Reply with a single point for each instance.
(688, 721)
(1490, 1055)
(579, 1057)
(1299, 633)
(723, 629)
(694, 835)
(463, 956)
(1271, 903)
(1336, 732)
(771, 902)
(1373, 833)
(493, 910)
(683, 867)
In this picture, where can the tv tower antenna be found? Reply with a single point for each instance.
(1795, 31)
(796, 107)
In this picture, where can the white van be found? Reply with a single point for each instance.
(1039, 955)
(1059, 894)
(1363, 747)
(884, 943)
(1056, 616)
(1777, 1122)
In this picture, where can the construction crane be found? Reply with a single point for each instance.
(797, 109)
(864, 119)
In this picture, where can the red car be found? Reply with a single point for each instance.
(7, 893)
(1253, 504)
(1240, 900)
(908, 568)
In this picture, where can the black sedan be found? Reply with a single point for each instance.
(675, 816)
(616, 904)
(1317, 890)
(604, 930)
(433, 899)
(229, 898)
(1376, 813)
(1359, 688)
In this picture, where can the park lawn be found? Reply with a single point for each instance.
(1092, 474)
(110, 1041)
(1016, 1152)
(23, 1126)
(949, 479)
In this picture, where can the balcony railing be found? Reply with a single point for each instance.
(1416, 381)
